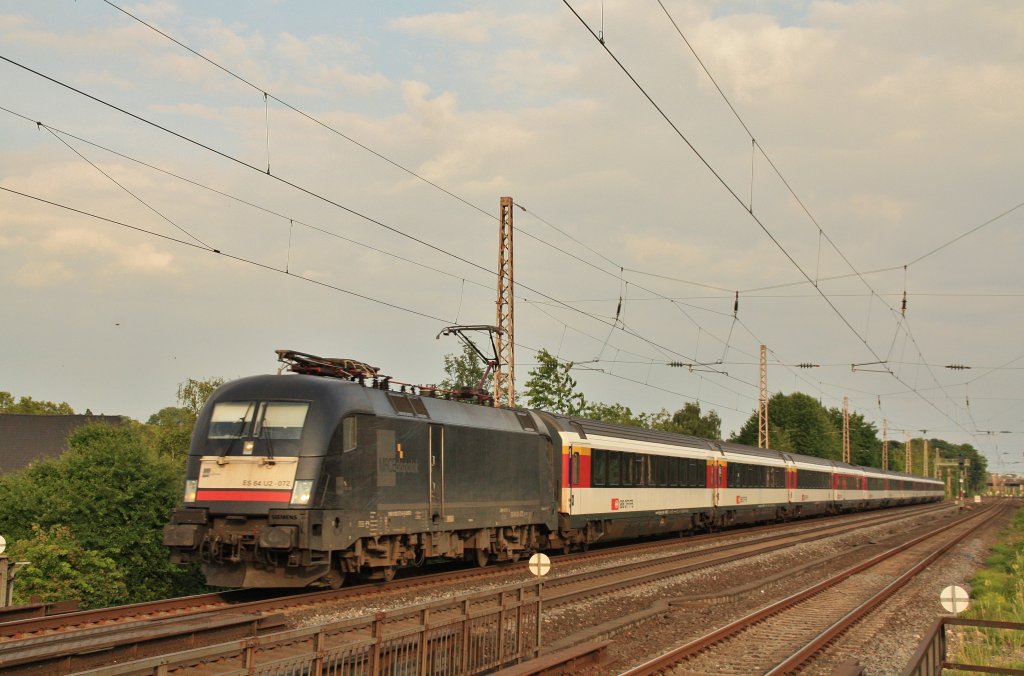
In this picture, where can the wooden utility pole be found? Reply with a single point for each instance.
(885, 443)
(846, 430)
(504, 373)
(908, 465)
(762, 403)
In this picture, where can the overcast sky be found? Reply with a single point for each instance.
(347, 160)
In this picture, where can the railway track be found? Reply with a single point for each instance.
(96, 633)
(268, 600)
(785, 636)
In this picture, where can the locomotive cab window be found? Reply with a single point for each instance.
(231, 419)
(281, 419)
(275, 420)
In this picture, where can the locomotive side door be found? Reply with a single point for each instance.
(435, 479)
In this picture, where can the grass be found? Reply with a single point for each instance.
(998, 594)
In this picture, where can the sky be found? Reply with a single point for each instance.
(187, 186)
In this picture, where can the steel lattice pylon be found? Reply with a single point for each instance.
(504, 374)
(762, 404)
(885, 443)
(846, 430)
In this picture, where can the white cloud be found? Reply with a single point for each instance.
(472, 27)
(43, 274)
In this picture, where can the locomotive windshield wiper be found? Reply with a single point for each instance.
(270, 445)
(238, 435)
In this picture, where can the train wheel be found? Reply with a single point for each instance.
(332, 580)
(482, 556)
(388, 573)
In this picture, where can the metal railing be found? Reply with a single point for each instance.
(931, 658)
(469, 635)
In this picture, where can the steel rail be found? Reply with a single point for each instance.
(275, 600)
(677, 655)
(815, 645)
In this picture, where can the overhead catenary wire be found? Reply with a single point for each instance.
(379, 155)
(595, 254)
(704, 161)
(310, 193)
(218, 252)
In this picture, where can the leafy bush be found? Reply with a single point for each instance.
(61, 568)
(113, 493)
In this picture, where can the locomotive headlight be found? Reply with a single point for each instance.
(191, 486)
(301, 492)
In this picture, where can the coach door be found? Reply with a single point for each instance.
(574, 474)
(436, 479)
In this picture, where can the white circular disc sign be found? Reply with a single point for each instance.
(3, 544)
(954, 599)
(539, 564)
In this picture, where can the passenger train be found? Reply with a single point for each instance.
(305, 478)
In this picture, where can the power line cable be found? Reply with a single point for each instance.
(233, 257)
(310, 193)
(408, 171)
(291, 219)
(739, 200)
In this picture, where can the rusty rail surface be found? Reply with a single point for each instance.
(677, 655)
(930, 658)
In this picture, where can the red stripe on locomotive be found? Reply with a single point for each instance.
(234, 495)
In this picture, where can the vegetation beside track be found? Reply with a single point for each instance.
(998, 594)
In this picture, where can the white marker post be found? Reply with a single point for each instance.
(5, 582)
(954, 599)
(539, 565)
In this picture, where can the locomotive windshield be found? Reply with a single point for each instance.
(263, 420)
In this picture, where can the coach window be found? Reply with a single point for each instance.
(575, 468)
(614, 473)
(599, 467)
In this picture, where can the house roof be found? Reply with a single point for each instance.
(25, 439)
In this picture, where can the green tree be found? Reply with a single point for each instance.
(615, 413)
(865, 446)
(461, 371)
(171, 431)
(29, 406)
(60, 568)
(688, 420)
(114, 493)
(192, 394)
(799, 419)
(551, 388)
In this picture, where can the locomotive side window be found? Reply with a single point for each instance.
(231, 419)
(281, 419)
(348, 433)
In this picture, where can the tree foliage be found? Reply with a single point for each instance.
(799, 419)
(29, 406)
(462, 371)
(60, 568)
(615, 413)
(865, 446)
(114, 493)
(551, 388)
(688, 420)
(192, 394)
